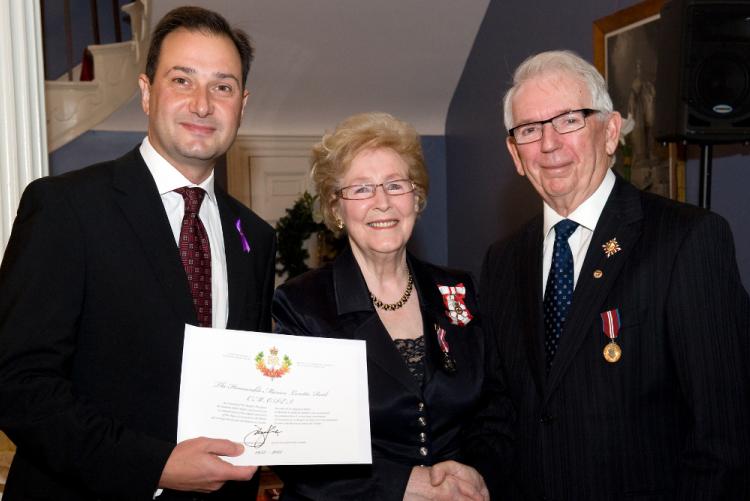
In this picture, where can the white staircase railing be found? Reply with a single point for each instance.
(76, 107)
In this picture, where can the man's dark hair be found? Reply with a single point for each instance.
(197, 19)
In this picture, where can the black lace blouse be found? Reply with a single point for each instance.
(412, 350)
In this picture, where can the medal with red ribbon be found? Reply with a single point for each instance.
(453, 298)
(611, 326)
(449, 364)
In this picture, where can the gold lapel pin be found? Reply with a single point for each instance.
(611, 248)
(598, 273)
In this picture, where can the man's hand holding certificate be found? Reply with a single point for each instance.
(287, 399)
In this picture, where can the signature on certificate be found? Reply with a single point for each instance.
(258, 437)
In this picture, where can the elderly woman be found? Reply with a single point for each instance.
(424, 346)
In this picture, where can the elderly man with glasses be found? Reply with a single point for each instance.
(617, 320)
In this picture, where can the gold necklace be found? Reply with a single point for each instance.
(398, 304)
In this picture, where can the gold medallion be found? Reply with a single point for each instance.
(612, 352)
(611, 248)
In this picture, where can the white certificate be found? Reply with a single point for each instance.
(288, 399)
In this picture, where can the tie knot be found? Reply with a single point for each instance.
(193, 198)
(564, 229)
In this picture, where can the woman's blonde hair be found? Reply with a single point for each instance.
(332, 156)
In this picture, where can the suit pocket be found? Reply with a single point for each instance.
(629, 317)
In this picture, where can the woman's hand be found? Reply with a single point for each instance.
(447, 481)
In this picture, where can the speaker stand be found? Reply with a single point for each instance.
(705, 175)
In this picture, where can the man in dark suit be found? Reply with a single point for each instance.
(104, 268)
(619, 320)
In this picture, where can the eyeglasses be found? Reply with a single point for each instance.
(567, 122)
(365, 191)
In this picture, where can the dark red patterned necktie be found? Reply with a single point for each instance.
(195, 252)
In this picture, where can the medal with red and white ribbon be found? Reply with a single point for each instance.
(453, 298)
(449, 364)
(611, 326)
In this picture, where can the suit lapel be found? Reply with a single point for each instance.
(138, 198)
(433, 317)
(620, 220)
(240, 271)
(529, 278)
(353, 302)
(382, 351)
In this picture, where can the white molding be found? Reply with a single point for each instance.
(23, 150)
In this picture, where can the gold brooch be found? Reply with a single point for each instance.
(611, 248)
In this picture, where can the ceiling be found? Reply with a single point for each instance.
(319, 61)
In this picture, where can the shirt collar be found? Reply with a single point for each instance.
(587, 214)
(167, 177)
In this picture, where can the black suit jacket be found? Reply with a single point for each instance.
(93, 303)
(333, 302)
(670, 420)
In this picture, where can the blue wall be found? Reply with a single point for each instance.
(92, 147)
(430, 239)
(488, 199)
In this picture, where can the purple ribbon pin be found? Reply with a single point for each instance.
(245, 244)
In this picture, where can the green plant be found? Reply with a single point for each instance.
(293, 229)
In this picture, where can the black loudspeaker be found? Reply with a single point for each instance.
(703, 75)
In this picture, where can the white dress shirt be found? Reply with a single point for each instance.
(586, 215)
(168, 179)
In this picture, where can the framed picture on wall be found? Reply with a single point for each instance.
(7, 450)
(625, 52)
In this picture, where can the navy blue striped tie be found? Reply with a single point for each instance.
(558, 295)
